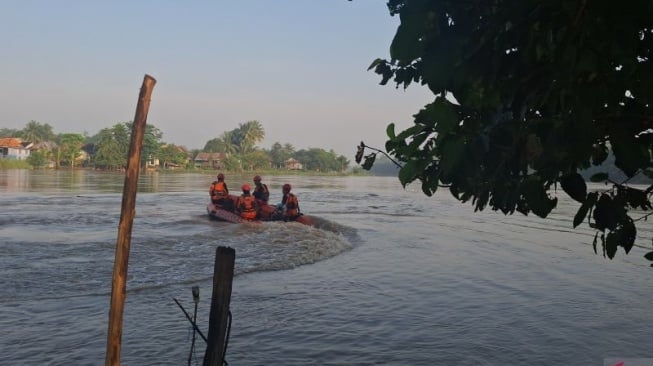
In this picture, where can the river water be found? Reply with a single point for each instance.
(388, 277)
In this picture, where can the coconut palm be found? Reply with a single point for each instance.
(250, 133)
(227, 142)
(288, 148)
(37, 132)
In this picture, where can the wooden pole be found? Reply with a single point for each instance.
(223, 274)
(119, 284)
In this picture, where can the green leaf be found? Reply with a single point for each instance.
(440, 114)
(605, 216)
(375, 63)
(611, 242)
(538, 200)
(636, 198)
(406, 45)
(599, 177)
(649, 256)
(360, 150)
(452, 152)
(369, 161)
(407, 173)
(627, 234)
(429, 186)
(574, 185)
(386, 73)
(584, 208)
(630, 156)
(454, 190)
(390, 131)
(410, 132)
(481, 200)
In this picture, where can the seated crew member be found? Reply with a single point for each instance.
(289, 204)
(261, 191)
(246, 206)
(219, 192)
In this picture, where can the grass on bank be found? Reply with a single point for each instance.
(14, 164)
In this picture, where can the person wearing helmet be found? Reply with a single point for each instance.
(289, 204)
(219, 192)
(261, 191)
(246, 205)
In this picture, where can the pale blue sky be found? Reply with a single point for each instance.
(297, 66)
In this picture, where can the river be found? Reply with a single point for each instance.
(388, 277)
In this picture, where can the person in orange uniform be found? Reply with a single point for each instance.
(246, 206)
(219, 192)
(261, 191)
(289, 204)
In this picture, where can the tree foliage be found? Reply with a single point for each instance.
(321, 160)
(151, 141)
(240, 140)
(69, 148)
(111, 147)
(36, 132)
(171, 154)
(280, 153)
(527, 93)
(213, 145)
(247, 135)
(256, 160)
(37, 159)
(9, 132)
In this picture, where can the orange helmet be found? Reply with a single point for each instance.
(220, 176)
(257, 178)
(246, 187)
(286, 187)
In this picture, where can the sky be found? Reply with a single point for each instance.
(299, 67)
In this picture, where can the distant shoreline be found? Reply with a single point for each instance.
(208, 171)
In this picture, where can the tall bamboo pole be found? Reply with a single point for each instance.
(119, 284)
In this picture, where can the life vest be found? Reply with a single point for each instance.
(247, 207)
(218, 190)
(262, 193)
(292, 205)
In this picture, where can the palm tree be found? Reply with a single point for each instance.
(227, 142)
(37, 132)
(251, 133)
(288, 148)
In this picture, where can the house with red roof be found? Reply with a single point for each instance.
(14, 148)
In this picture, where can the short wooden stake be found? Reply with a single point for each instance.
(223, 274)
(119, 283)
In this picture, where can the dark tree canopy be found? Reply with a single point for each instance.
(541, 90)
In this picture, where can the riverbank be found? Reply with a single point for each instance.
(19, 164)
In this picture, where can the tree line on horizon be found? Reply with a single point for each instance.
(109, 147)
